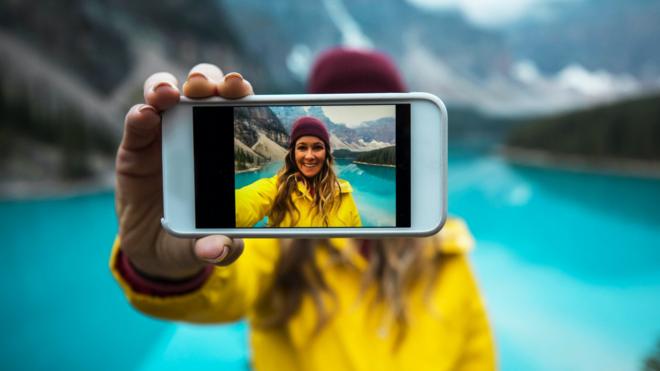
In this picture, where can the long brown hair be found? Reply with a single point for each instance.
(324, 184)
(394, 266)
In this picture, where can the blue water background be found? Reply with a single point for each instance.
(374, 189)
(569, 264)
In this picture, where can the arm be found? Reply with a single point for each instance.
(477, 351)
(254, 201)
(348, 212)
(220, 294)
(354, 215)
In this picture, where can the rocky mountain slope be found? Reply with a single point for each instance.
(259, 137)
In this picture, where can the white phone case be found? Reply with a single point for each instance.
(428, 166)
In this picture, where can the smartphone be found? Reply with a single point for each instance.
(308, 166)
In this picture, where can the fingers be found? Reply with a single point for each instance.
(142, 122)
(160, 91)
(218, 250)
(206, 80)
(141, 127)
(234, 86)
(202, 81)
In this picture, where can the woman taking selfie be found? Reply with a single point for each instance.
(306, 191)
(339, 304)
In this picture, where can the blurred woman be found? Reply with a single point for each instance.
(324, 305)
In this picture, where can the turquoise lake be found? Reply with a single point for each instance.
(374, 189)
(569, 264)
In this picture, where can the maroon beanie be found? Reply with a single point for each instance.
(308, 125)
(345, 70)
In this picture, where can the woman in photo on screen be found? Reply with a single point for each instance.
(306, 191)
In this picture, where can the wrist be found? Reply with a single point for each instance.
(162, 272)
(155, 286)
(170, 260)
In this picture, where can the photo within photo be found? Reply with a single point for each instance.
(315, 166)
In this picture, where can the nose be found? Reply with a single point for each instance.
(309, 155)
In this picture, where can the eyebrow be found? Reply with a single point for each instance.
(306, 144)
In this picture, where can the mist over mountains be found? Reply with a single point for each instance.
(565, 55)
(261, 134)
(88, 59)
(105, 44)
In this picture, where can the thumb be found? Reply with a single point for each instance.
(218, 250)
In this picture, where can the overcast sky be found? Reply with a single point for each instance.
(353, 116)
(489, 13)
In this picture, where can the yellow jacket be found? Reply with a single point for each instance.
(447, 331)
(254, 202)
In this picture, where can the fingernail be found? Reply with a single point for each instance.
(224, 251)
(164, 84)
(233, 76)
(146, 108)
(212, 251)
(194, 75)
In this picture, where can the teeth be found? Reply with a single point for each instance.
(310, 165)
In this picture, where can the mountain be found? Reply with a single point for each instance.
(382, 156)
(608, 35)
(72, 69)
(76, 66)
(364, 137)
(369, 135)
(624, 130)
(288, 115)
(565, 55)
(259, 137)
(382, 130)
(245, 157)
(250, 121)
(268, 148)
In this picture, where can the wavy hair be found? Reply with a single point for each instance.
(324, 186)
(395, 265)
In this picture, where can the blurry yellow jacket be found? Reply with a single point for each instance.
(254, 202)
(448, 330)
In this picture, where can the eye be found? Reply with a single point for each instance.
(318, 147)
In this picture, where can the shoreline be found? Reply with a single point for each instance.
(368, 163)
(30, 190)
(250, 170)
(625, 167)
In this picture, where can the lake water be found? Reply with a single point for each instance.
(374, 189)
(569, 264)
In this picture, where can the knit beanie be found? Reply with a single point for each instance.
(347, 70)
(307, 125)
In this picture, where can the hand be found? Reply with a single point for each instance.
(139, 191)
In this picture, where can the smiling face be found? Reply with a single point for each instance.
(310, 153)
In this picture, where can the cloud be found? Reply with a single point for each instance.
(594, 83)
(577, 79)
(521, 90)
(486, 13)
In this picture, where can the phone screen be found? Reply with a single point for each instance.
(325, 166)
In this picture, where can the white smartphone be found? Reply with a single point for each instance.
(312, 166)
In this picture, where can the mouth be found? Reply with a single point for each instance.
(312, 165)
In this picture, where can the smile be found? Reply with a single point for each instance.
(310, 165)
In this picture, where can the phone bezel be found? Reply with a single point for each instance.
(428, 165)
